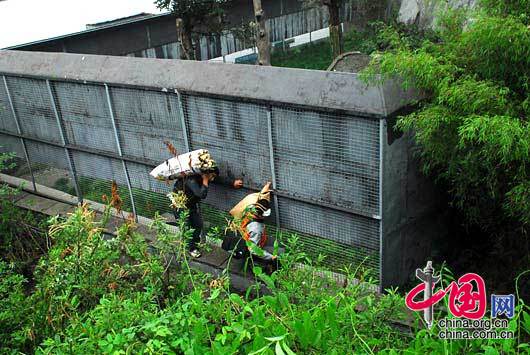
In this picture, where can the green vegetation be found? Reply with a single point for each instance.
(95, 295)
(147, 202)
(312, 56)
(91, 294)
(378, 36)
(23, 237)
(473, 128)
(318, 55)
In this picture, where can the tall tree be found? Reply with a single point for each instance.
(335, 29)
(262, 36)
(192, 15)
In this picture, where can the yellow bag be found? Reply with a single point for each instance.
(237, 211)
(252, 199)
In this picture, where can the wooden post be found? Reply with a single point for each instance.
(335, 29)
(262, 37)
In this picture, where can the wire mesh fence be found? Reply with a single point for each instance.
(33, 108)
(85, 114)
(325, 166)
(334, 161)
(7, 123)
(49, 165)
(145, 120)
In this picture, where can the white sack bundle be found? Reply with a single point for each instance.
(192, 163)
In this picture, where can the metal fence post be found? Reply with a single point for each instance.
(183, 123)
(19, 130)
(273, 169)
(120, 153)
(71, 165)
(381, 220)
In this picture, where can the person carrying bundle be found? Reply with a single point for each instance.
(193, 172)
(194, 189)
(249, 222)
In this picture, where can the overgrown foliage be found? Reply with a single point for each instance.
(473, 126)
(22, 233)
(96, 294)
(92, 293)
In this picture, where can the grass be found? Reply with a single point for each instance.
(318, 56)
(312, 56)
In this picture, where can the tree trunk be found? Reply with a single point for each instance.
(335, 29)
(184, 36)
(262, 37)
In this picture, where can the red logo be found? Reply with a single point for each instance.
(467, 296)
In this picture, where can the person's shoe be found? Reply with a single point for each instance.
(195, 253)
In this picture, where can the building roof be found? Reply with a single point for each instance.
(102, 27)
(141, 15)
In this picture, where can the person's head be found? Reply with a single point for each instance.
(263, 208)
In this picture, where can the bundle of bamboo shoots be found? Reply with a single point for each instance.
(192, 163)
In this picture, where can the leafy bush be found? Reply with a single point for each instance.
(473, 127)
(96, 294)
(14, 315)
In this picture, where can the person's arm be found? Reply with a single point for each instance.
(198, 190)
(236, 183)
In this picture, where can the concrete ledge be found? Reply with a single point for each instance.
(314, 88)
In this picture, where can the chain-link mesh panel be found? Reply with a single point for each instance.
(7, 121)
(149, 194)
(10, 144)
(33, 108)
(343, 237)
(86, 115)
(50, 166)
(235, 133)
(95, 174)
(322, 160)
(145, 120)
(328, 158)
